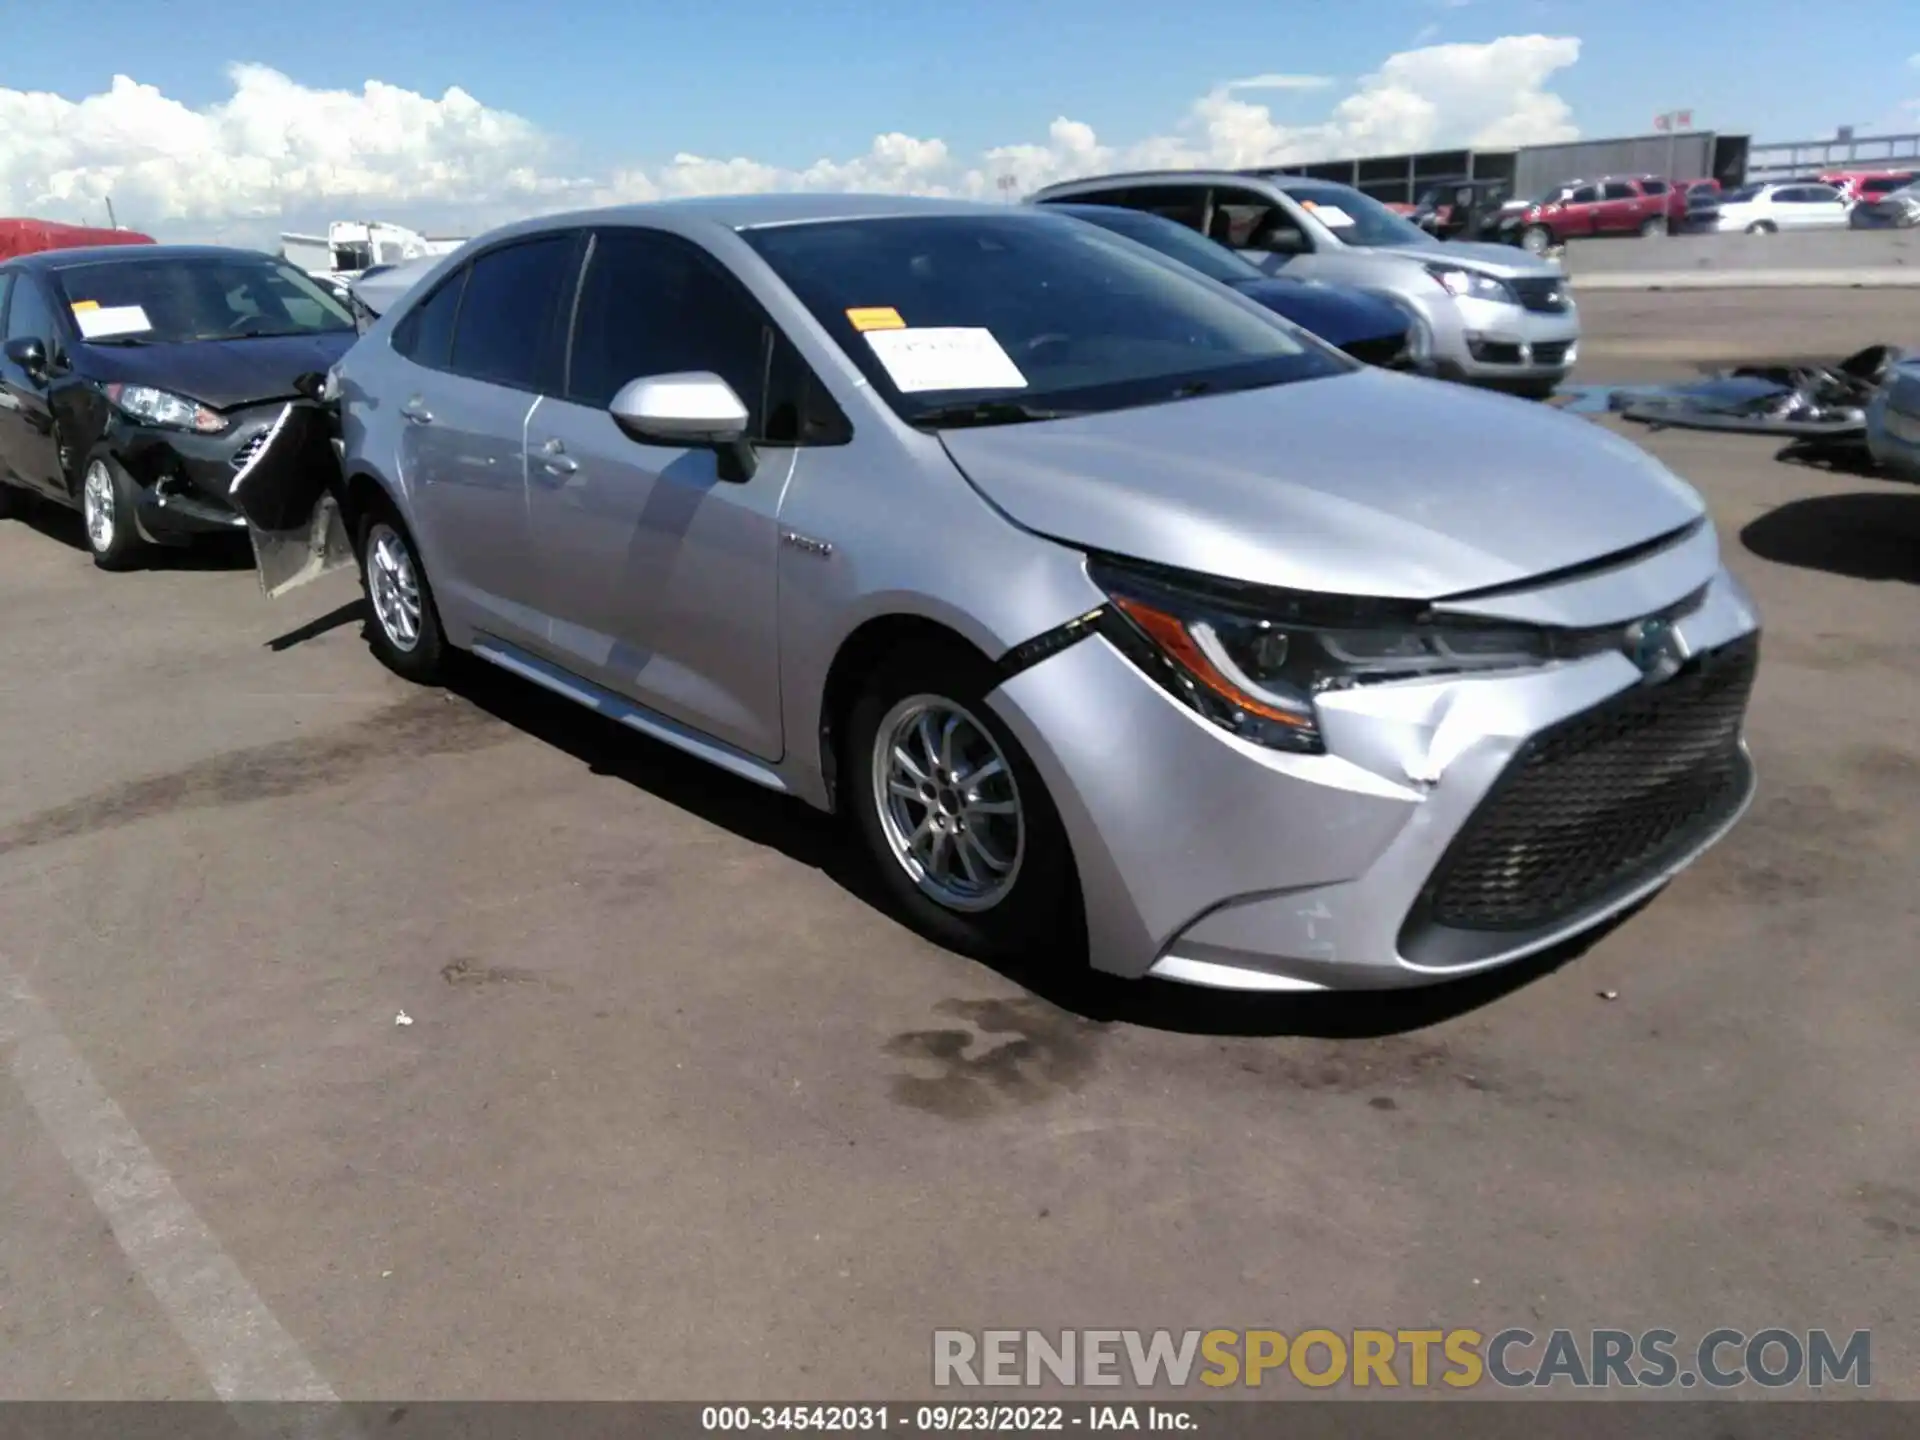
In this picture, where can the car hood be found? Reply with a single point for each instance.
(1368, 483)
(1335, 313)
(1502, 260)
(223, 374)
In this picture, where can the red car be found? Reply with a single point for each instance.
(30, 237)
(1611, 205)
(1857, 185)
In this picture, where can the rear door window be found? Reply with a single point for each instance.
(512, 313)
(425, 334)
(1184, 203)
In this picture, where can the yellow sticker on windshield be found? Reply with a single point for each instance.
(80, 305)
(876, 317)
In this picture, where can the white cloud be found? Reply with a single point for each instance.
(278, 155)
(1280, 82)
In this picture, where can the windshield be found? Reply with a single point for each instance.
(1171, 239)
(1356, 218)
(971, 319)
(171, 300)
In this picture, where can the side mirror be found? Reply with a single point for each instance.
(30, 355)
(694, 408)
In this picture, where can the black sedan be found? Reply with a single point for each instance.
(137, 383)
(1367, 327)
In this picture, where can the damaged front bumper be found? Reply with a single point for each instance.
(1455, 824)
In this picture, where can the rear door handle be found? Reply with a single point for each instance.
(416, 411)
(553, 456)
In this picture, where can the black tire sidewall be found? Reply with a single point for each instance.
(127, 548)
(425, 663)
(1040, 921)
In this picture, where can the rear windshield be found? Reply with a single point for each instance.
(170, 300)
(1036, 312)
(1356, 218)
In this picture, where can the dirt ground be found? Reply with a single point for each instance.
(680, 1114)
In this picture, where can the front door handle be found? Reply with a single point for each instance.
(416, 411)
(554, 457)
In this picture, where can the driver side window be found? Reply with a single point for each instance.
(30, 317)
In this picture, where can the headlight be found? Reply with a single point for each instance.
(160, 407)
(1471, 284)
(1252, 661)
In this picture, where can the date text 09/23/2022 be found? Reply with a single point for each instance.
(943, 1419)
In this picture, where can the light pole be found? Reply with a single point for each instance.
(1007, 184)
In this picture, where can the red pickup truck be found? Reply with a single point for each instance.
(30, 237)
(1611, 205)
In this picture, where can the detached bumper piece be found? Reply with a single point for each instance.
(1825, 403)
(285, 485)
(1591, 809)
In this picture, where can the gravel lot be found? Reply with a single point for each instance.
(680, 1114)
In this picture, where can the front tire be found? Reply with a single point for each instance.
(1657, 225)
(958, 823)
(1761, 227)
(405, 631)
(107, 498)
(1536, 239)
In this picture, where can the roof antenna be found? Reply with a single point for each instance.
(112, 224)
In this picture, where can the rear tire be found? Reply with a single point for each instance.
(1655, 226)
(405, 628)
(1762, 227)
(966, 841)
(107, 497)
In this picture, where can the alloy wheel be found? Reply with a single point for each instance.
(97, 507)
(393, 587)
(948, 803)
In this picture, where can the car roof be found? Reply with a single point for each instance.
(1180, 177)
(47, 261)
(751, 212)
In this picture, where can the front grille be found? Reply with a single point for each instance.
(1384, 350)
(1546, 294)
(1602, 800)
(248, 449)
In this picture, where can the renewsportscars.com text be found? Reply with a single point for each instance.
(1458, 1359)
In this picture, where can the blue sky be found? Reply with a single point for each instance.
(788, 84)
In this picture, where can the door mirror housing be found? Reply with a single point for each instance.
(695, 407)
(30, 355)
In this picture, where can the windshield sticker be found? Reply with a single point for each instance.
(80, 305)
(876, 317)
(103, 323)
(948, 358)
(1332, 216)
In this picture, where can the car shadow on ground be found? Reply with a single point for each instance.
(210, 552)
(1864, 536)
(1851, 458)
(824, 843)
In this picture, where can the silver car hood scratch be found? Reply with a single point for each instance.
(1368, 483)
